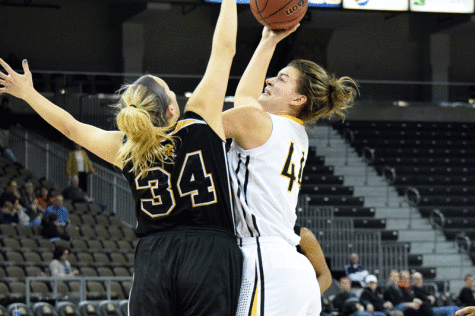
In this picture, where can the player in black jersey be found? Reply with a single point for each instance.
(187, 261)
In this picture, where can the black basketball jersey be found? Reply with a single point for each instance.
(191, 189)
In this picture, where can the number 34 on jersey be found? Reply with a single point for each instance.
(193, 181)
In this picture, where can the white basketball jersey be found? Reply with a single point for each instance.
(266, 181)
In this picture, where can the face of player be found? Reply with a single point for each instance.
(280, 92)
(173, 112)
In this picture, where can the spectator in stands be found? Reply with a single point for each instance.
(35, 213)
(20, 210)
(49, 228)
(420, 293)
(74, 193)
(409, 305)
(58, 209)
(354, 271)
(60, 266)
(78, 164)
(8, 215)
(7, 119)
(466, 297)
(28, 194)
(11, 193)
(44, 198)
(348, 303)
(405, 284)
(372, 301)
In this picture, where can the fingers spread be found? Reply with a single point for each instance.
(26, 67)
(6, 66)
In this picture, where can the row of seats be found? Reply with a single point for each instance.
(436, 159)
(14, 291)
(76, 257)
(83, 231)
(65, 308)
(19, 273)
(398, 126)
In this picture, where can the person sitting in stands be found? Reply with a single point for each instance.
(59, 209)
(60, 266)
(466, 297)
(371, 300)
(420, 293)
(10, 194)
(74, 193)
(402, 300)
(49, 228)
(354, 271)
(8, 214)
(348, 303)
(44, 198)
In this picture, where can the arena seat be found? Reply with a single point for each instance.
(67, 309)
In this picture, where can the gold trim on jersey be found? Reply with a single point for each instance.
(184, 123)
(293, 118)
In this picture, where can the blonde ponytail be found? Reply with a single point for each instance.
(142, 117)
(326, 95)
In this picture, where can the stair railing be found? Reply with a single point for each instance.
(389, 174)
(434, 214)
(368, 157)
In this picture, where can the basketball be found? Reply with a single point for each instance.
(279, 14)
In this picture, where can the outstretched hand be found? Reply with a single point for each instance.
(13, 83)
(277, 35)
(470, 310)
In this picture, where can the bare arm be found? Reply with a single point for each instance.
(252, 81)
(312, 250)
(208, 98)
(470, 310)
(104, 144)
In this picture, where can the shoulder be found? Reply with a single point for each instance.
(251, 127)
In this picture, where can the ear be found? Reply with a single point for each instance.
(171, 111)
(299, 102)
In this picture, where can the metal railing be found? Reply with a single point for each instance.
(48, 159)
(339, 239)
(54, 281)
(389, 174)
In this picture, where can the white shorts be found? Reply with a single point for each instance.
(277, 280)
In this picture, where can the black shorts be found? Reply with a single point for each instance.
(186, 273)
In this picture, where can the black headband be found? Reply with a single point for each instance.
(157, 89)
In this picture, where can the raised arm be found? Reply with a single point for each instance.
(252, 81)
(104, 144)
(208, 98)
(312, 250)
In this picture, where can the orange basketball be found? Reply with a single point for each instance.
(279, 14)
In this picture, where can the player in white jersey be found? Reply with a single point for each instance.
(267, 157)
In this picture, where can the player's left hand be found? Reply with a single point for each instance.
(13, 83)
(277, 35)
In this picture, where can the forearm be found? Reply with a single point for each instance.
(225, 34)
(252, 81)
(324, 280)
(51, 113)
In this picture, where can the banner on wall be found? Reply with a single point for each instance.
(325, 3)
(448, 6)
(391, 5)
(311, 3)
